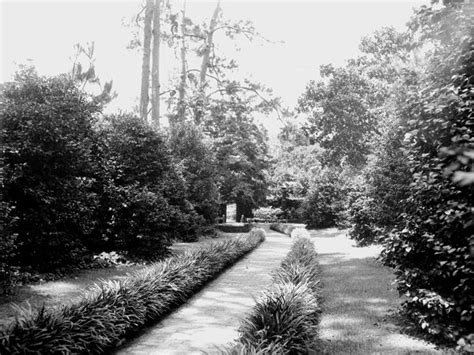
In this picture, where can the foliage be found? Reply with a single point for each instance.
(326, 201)
(199, 167)
(282, 228)
(113, 310)
(48, 172)
(340, 119)
(144, 205)
(432, 250)
(105, 259)
(234, 228)
(73, 185)
(286, 316)
(299, 233)
(241, 153)
(267, 213)
(364, 219)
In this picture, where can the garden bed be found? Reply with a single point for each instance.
(234, 227)
(115, 310)
(285, 228)
(287, 315)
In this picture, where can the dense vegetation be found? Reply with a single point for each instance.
(389, 148)
(286, 316)
(76, 182)
(384, 145)
(114, 310)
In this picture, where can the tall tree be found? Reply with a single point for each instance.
(208, 46)
(182, 83)
(155, 71)
(145, 84)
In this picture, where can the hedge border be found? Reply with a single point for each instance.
(230, 228)
(283, 228)
(286, 317)
(115, 310)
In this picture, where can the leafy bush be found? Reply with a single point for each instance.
(286, 317)
(48, 171)
(431, 251)
(8, 271)
(267, 213)
(114, 309)
(364, 215)
(105, 259)
(199, 167)
(234, 228)
(143, 204)
(300, 233)
(325, 202)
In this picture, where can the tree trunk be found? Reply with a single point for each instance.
(199, 106)
(209, 44)
(181, 106)
(155, 69)
(182, 84)
(145, 87)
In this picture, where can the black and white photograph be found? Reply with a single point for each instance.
(237, 177)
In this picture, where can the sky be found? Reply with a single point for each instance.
(303, 35)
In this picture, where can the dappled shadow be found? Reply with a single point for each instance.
(359, 299)
(70, 289)
(212, 316)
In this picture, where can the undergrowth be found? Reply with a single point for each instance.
(113, 310)
(286, 318)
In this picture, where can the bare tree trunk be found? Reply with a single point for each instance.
(209, 44)
(199, 107)
(145, 87)
(155, 70)
(182, 85)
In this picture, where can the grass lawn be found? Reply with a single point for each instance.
(70, 289)
(359, 301)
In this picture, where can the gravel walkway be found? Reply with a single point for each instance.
(210, 319)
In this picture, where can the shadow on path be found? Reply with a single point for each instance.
(359, 301)
(211, 318)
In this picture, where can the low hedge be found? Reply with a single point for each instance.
(234, 228)
(114, 310)
(287, 315)
(283, 228)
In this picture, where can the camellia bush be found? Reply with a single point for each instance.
(267, 213)
(431, 250)
(48, 173)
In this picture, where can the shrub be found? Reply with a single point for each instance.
(282, 228)
(194, 154)
(143, 203)
(364, 229)
(300, 233)
(267, 213)
(48, 171)
(234, 228)
(286, 317)
(325, 202)
(259, 233)
(432, 250)
(114, 309)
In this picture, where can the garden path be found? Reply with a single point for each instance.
(209, 320)
(359, 301)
